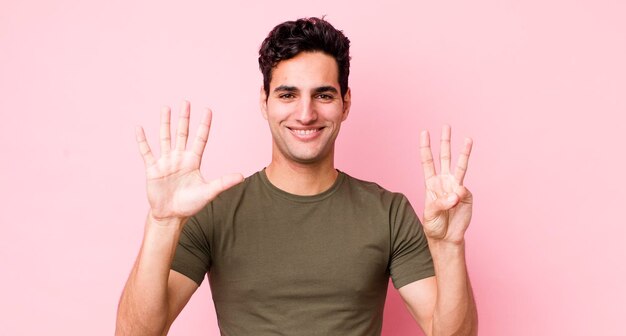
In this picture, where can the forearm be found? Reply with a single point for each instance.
(143, 307)
(455, 309)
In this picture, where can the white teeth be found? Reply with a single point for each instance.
(305, 132)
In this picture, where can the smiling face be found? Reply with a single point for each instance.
(305, 109)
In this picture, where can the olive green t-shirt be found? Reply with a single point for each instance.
(283, 264)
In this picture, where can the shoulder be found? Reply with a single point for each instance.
(373, 192)
(370, 188)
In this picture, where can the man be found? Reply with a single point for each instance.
(298, 248)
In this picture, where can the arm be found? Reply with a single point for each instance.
(154, 295)
(444, 304)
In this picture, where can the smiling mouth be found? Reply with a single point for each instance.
(305, 133)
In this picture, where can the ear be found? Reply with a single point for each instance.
(347, 101)
(263, 102)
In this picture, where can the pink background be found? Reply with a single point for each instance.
(539, 85)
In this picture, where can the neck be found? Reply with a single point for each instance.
(301, 178)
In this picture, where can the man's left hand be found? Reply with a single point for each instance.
(448, 204)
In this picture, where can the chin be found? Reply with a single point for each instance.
(306, 155)
(308, 158)
(305, 159)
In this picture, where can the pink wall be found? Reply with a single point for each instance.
(539, 85)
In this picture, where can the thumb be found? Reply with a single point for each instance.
(215, 187)
(445, 202)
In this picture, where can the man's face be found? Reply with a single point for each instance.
(305, 108)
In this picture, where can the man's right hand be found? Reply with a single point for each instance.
(175, 186)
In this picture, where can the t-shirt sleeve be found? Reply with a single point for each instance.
(193, 253)
(410, 257)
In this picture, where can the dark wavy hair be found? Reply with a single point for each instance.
(290, 38)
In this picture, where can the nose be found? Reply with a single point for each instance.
(306, 113)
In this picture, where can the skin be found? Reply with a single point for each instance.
(304, 111)
(304, 96)
(444, 304)
(154, 295)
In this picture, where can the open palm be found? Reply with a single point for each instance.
(175, 186)
(448, 204)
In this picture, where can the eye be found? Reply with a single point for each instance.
(324, 96)
(286, 96)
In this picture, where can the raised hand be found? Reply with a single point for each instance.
(175, 186)
(448, 204)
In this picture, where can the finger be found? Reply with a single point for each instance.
(426, 155)
(445, 202)
(444, 151)
(165, 133)
(202, 135)
(462, 161)
(216, 186)
(183, 127)
(465, 196)
(435, 205)
(144, 148)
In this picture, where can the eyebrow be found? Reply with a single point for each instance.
(286, 88)
(327, 88)
(321, 89)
